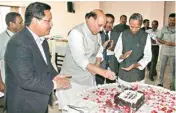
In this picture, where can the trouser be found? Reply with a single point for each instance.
(1, 105)
(46, 110)
(152, 65)
(164, 59)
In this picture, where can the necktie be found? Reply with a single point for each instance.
(105, 52)
(107, 38)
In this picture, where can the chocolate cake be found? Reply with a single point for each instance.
(133, 99)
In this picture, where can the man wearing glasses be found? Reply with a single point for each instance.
(133, 51)
(30, 76)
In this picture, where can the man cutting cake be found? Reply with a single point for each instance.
(83, 57)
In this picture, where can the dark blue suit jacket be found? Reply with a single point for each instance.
(113, 63)
(28, 78)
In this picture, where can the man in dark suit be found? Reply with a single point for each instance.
(109, 39)
(122, 26)
(146, 23)
(30, 76)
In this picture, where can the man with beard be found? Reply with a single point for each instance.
(109, 39)
(167, 39)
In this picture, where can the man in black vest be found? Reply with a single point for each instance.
(133, 51)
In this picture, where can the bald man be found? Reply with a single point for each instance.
(84, 56)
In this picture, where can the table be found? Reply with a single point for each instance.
(157, 99)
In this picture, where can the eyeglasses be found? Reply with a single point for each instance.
(48, 21)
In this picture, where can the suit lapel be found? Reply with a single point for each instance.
(46, 51)
(34, 45)
(111, 36)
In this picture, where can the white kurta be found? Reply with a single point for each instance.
(83, 48)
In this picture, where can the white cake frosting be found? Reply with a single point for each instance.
(130, 96)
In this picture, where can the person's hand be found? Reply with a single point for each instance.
(129, 67)
(106, 43)
(92, 73)
(2, 86)
(112, 45)
(110, 75)
(170, 43)
(126, 55)
(62, 81)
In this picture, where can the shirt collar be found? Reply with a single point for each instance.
(10, 32)
(172, 30)
(108, 32)
(39, 40)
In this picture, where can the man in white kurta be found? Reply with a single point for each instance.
(83, 57)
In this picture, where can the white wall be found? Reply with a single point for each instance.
(169, 8)
(149, 9)
(64, 21)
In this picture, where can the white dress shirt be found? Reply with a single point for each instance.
(147, 52)
(153, 35)
(39, 41)
(109, 52)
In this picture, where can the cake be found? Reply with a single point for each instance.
(130, 98)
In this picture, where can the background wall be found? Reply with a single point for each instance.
(64, 21)
(169, 8)
(146, 8)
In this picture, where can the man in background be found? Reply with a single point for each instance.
(155, 49)
(122, 26)
(167, 38)
(109, 39)
(146, 24)
(14, 24)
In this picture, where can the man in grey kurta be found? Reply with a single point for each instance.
(83, 57)
(133, 51)
(167, 38)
